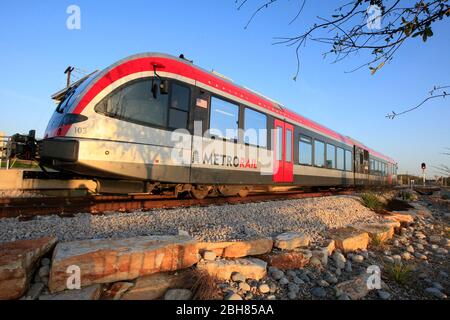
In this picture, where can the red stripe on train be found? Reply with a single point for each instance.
(173, 66)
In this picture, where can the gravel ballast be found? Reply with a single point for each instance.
(213, 223)
(19, 194)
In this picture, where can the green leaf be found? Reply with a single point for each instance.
(408, 29)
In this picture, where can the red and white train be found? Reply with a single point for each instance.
(163, 121)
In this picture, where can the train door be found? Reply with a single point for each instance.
(283, 152)
(361, 165)
(389, 173)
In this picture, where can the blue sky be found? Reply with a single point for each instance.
(36, 47)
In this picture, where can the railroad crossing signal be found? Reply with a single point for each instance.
(424, 166)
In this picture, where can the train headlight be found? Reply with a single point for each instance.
(71, 118)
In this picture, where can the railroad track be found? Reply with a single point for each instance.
(27, 208)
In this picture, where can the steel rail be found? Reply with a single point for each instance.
(27, 208)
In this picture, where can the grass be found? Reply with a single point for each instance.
(400, 273)
(378, 242)
(407, 196)
(204, 286)
(371, 201)
(20, 164)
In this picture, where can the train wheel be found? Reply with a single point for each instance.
(243, 193)
(199, 192)
(227, 191)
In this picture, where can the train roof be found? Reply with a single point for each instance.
(145, 62)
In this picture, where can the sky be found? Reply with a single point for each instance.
(36, 47)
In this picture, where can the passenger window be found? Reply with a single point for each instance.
(331, 156)
(305, 151)
(255, 127)
(348, 160)
(340, 159)
(279, 143)
(134, 102)
(319, 153)
(288, 145)
(224, 119)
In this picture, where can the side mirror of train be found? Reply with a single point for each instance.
(155, 90)
(164, 87)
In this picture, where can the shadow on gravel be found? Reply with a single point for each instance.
(397, 205)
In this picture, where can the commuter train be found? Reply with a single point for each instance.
(162, 121)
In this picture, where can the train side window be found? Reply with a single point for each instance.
(288, 145)
(224, 119)
(372, 166)
(331, 156)
(179, 106)
(134, 102)
(305, 151)
(319, 153)
(178, 119)
(179, 98)
(255, 127)
(279, 143)
(340, 158)
(348, 160)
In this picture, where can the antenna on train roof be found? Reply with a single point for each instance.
(184, 58)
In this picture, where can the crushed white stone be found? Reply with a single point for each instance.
(19, 194)
(212, 223)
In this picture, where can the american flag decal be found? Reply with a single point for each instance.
(202, 103)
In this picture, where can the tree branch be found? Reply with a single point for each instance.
(442, 94)
(351, 23)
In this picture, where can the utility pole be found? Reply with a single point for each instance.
(68, 71)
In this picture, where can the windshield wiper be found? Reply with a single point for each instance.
(65, 101)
